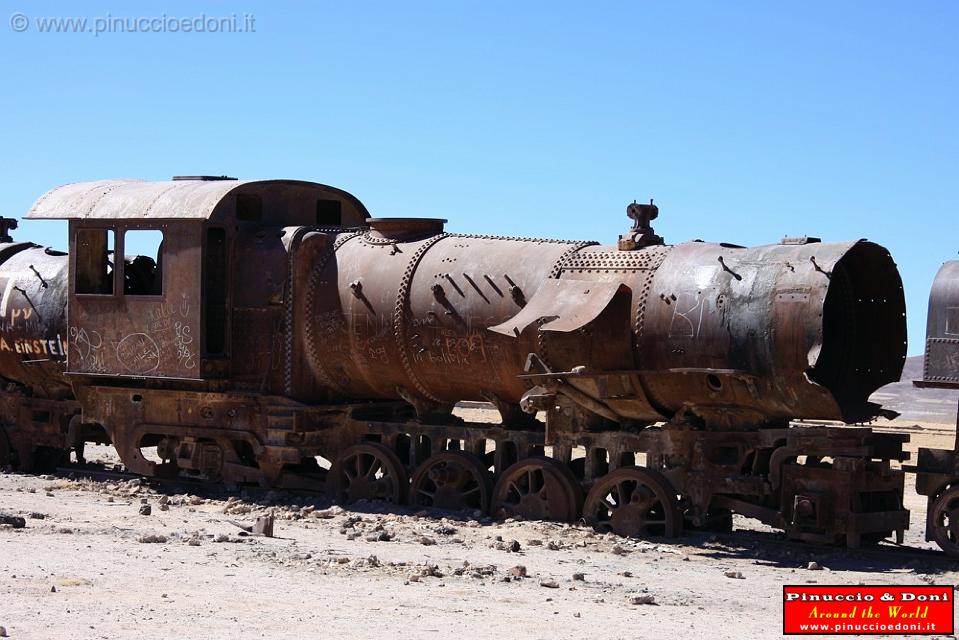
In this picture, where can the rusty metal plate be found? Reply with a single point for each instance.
(189, 200)
(571, 304)
(941, 365)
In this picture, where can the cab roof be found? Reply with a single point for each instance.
(193, 198)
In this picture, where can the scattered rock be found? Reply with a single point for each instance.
(552, 546)
(145, 510)
(164, 500)
(618, 550)
(413, 577)
(535, 543)
(814, 566)
(579, 577)
(152, 538)
(264, 526)
(480, 572)
(3, 632)
(734, 574)
(642, 598)
(332, 512)
(237, 508)
(381, 536)
(17, 522)
(426, 540)
(519, 571)
(36, 515)
(53, 589)
(549, 584)
(445, 530)
(513, 546)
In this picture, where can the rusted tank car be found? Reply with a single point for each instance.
(640, 386)
(40, 414)
(938, 469)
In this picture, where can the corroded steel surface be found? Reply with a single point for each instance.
(741, 337)
(33, 331)
(283, 337)
(937, 470)
(941, 363)
(181, 199)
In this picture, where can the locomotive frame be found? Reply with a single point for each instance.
(206, 363)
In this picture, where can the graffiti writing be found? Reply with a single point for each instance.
(687, 316)
(138, 353)
(182, 339)
(89, 349)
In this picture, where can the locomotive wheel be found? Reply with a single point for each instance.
(633, 502)
(453, 480)
(537, 489)
(945, 521)
(368, 471)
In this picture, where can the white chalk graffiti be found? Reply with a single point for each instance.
(89, 349)
(182, 339)
(138, 353)
(687, 323)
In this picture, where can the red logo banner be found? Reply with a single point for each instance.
(868, 610)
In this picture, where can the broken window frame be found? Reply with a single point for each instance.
(110, 232)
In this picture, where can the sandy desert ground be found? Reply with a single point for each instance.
(89, 565)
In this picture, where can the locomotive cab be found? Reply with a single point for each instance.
(150, 287)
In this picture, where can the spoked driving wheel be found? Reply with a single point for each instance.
(368, 471)
(633, 502)
(453, 480)
(944, 517)
(537, 489)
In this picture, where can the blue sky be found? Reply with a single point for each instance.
(745, 121)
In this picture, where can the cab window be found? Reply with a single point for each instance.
(143, 264)
(94, 261)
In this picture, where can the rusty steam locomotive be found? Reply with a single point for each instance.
(283, 337)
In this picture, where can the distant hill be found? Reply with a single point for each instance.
(915, 404)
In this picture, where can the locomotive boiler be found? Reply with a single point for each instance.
(283, 336)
